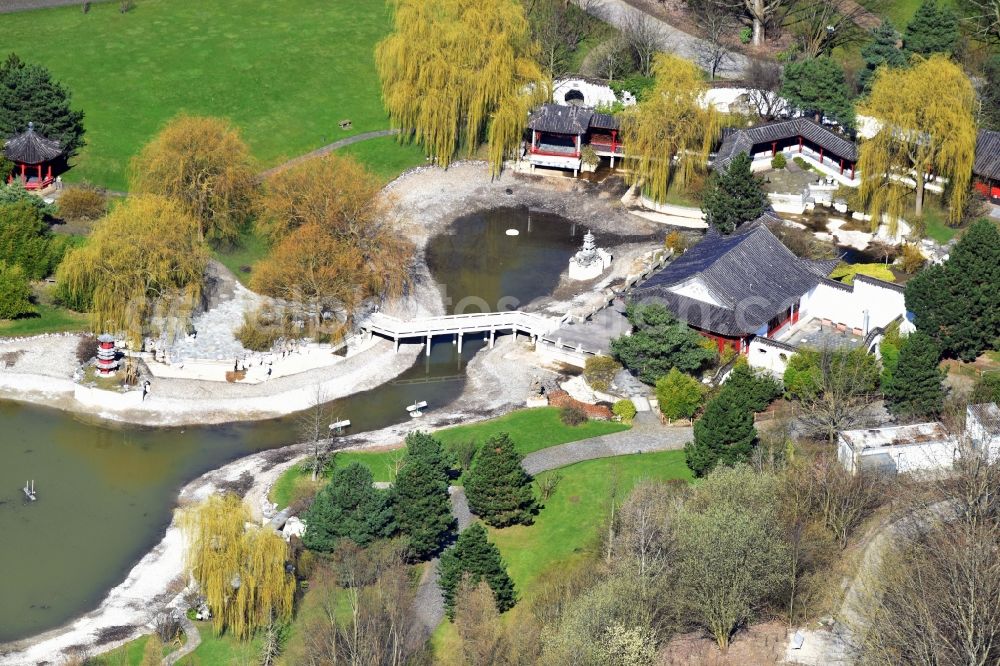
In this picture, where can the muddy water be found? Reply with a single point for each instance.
(105, 492)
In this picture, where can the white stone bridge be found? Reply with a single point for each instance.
(487, 323)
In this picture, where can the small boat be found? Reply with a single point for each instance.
(414, 409)
(29, 490)
(340, 425)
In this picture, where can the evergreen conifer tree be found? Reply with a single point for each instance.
(914, 389)
(497, 487)
(734, 196)
(932, 29)
(475, 556)
(725, 435)
(751, 390)
(29, 95)
(423, 507)
(818, 85)
(958, 303)
(348, 507)
(420, 444)
(882, 50)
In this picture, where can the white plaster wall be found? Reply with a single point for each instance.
(762, 356)
(594, 94)
(848, 307)
(845, 454)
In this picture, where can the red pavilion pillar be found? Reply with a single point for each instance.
(852, 170)
(24, 175)
(774, 148)
(39, 175)
(841, 166)
(821, 155)
(800, 143)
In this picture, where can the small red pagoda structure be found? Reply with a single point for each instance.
(107, 357)
(33, 156)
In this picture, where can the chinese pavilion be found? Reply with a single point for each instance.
(559, 133)
(803, 135)
(733, 288)
(986, 168)
(33, 156)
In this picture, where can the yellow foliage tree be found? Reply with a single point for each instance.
(335, 239)
(240, 570)
(454, 71)
(203, 164)
(143, 257)
(925, 115)
(668, 136)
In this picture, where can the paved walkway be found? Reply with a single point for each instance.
(670, 39)
(191, 643)
(327, 149)
(645, 436)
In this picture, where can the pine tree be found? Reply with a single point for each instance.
(734, 196)
(914, 388)
(348, 507)
(423, 507)
(957, 303)
(725, 435)
(932, 29)
(658, 343)
(752, 390)
(474, 555)
(818, 85)
(498, 488)
(422, 445)
(29, 95)
(882, 50)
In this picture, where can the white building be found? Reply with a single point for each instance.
(585, 91)
(920, 447)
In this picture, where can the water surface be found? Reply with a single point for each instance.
(105, 492)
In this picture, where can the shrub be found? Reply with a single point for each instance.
(83, 202)
(912, 259)
(261, 329)
(679, 395)
(746, 34)
(675, 242)
(625, 410)
(846, 272)
(778, 161)
(572, 416)
(15, 293)
(600, 371)
(589, 156)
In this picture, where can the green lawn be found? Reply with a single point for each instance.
(50, 319)
(567, 527)
(285, 72)
(385, 157)
(531, 430)
(899, 11)
(222, 650)
(249, 249)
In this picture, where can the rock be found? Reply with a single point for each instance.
(293, 527)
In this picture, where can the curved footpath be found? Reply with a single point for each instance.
(645, 436)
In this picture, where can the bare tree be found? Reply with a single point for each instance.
(484, 639)
(642, 37)
(845, 500)
(822, 25)
(984, 15)
(610, 59)
(840, 392)
(717, 24)
(764, 82)
(314, 428)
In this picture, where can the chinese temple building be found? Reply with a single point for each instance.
(986, 168)
(835, 154)
(559, 133)
(33, 156)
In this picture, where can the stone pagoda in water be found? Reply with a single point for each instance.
(589, 262)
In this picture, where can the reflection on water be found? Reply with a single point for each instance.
(105, 491)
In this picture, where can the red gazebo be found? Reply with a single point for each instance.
(32, 155)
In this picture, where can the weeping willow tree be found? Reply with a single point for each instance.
(144, 258)
(456, 72)
(668, 135)
(926, 128)
(204, 164)
(240, 570)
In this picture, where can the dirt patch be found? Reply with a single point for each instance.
(560, 398)
(114, 633)
(759, 645)
(11, 358)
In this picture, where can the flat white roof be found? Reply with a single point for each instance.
(907, 435)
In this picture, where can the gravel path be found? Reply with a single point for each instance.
(671, 40)
(329, 148)
(191, 643)
(645, 436)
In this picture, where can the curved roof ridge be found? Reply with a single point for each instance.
(30, 147)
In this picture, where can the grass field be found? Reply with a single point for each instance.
(286, 73)
(568, 527)
(50, 319)
(531, 430)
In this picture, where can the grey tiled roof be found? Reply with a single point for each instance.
(742, 140)
(560, 119)
(30, 147)
(751, 273)
(987, 164)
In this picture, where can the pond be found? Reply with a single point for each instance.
(105, 492)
